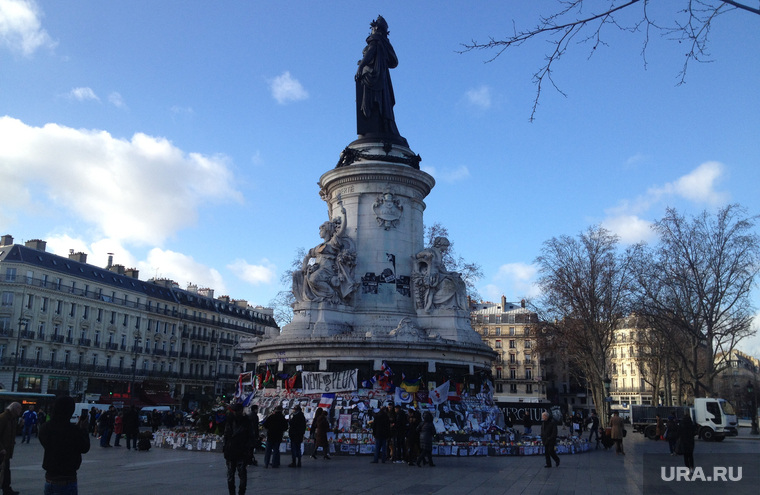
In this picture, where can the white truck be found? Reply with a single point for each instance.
(715, 418)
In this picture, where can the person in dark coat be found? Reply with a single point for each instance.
(320, 425)
(237, 437)
(297, 429)
(64, 443)
(399, 428)
(413, 437)
(8, 424)
(130, 425)
(685, 441)
(427, 430)
(549, 439)
(528, 423)
(276, 425)
(255, 435)
(671, 432)
(381, 429)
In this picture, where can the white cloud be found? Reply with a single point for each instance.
(630, 228)
(20, 27)
(83, 94)
(181, 268)
(116, 100)
(286, 89)
(698, 186)
(513, 280)
(178, 110)
(254, 274)
(479, 97)
(139, 191)
(447, 174)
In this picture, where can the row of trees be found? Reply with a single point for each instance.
(690, 292)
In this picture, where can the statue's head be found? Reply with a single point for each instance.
(380, 25)
(441, 243)
(326, 230)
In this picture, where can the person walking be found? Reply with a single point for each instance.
(8, 425)
(296, 429)
(549, 439)
(319, 427)
(118, 425)
(685, 440)
(276, 425)
(671, 432)
(427, 430)
(64, 444)
(105, 426)
(30, 421)
(255, 435)
(237, 436)
(617, 432)
(594, 428)
(381, 429)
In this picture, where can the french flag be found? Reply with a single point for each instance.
(326, 401)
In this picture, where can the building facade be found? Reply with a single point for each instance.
(68, 327)
(517, 370)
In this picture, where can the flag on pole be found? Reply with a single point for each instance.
(411, 386)
(268, 379)
(440, 394)
(387, 371)
(326, 401)
(290, 383)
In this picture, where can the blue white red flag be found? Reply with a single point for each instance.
(326, 401)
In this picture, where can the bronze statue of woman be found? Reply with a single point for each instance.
(374, 90)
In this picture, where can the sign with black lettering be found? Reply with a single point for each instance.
(337, 381)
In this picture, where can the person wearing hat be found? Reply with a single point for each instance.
(297, 429)
(8, 422)
(237, 439)
(276, 425)
(64, 443)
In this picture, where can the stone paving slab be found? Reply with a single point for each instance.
(116, 471)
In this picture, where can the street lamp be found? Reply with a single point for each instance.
(24, 322)
(753, 412)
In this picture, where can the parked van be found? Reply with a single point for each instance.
(146, 411)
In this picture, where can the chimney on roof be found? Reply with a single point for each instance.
(80, 257)
(503, 302)
(37, 244)
(6, 240)
(110, 261)
(522, 303)
(132, 272)
(116, 269)
(206, 292)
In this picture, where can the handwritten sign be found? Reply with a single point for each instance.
(338, 381)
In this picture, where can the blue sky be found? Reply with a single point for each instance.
(187, 137)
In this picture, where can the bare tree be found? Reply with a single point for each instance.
(586, 286)
(586, 22)
(471, 272)
(284, 300)
(695, 288)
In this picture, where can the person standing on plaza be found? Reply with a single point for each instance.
(400, 427)
(94, 421)
(427, 430)
(130, 426)
(30, 421)
(255, 435)
(527, 423)
(84, 421)
(594, 427)
(118, 424)
(64, 444)
(617, 432)
(237, 437)
(105, 426)
(319, 427)
(296, 429)
(276, 425)
(671, 432)
(685, 440)
(381, 429)
(413, 437)
(8, 425)
(549, 439)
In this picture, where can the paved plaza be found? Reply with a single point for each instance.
(116, 471)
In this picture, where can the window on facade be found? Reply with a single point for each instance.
(497, 331)
(41, 331)
(7, 299)
(528, 374)
(512, 344)
(29, 301)
(529, 388)
(512, 388)
(527, 359)
(100, 315)
(512, 373)
(497, 344)
(73, 310)
(125, 320)
(58, 307)
(44, 304)
(512, 358)
(113, 317)
(498, 373)
(58, 283)
(86, 313)
(528, 344)
(10, 274)
(97, 338)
